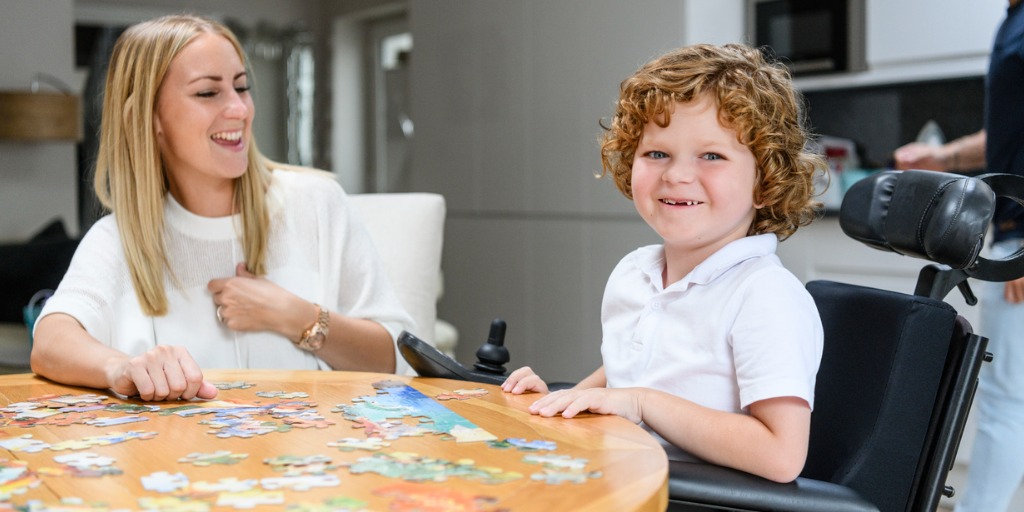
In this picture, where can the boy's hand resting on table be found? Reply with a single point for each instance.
(570, 402)
(623, 402)
(163, 373)
(523, 380)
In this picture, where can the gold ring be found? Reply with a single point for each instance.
(219, 318)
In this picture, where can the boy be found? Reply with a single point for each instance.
(707, 340)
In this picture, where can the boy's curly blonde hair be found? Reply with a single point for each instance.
(755, 98)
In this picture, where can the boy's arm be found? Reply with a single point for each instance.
(594, 380)
(771, 442)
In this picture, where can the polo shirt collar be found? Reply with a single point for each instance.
(652, 262)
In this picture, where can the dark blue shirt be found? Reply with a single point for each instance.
(1004, 117)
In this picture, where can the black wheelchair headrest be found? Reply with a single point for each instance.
(936, 216)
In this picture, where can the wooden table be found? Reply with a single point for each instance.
(619, 464)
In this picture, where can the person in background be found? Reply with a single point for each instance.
(213, 256)
(708, 341)
(997, 458)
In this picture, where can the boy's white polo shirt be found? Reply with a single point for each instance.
(738, 329)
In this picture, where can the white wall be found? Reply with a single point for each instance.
(37, 180)
(507, 100)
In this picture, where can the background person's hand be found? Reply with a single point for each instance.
(918, 155)
(164, 372)
(1013, 291)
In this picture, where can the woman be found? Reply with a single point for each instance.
(213, 256)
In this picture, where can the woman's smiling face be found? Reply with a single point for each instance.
(204, 113)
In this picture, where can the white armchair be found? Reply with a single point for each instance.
(408, 231)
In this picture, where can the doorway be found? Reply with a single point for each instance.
(390, 128)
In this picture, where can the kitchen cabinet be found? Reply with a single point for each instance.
(915, 32)
(918, 41)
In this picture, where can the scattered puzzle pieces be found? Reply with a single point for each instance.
(24, 443)
(462, 394)
(250, 498)
(83, 459)
(523, 445)
(349, 444)
(417, 468)
(77, 399)
(300, 482)
(224, 485)
(131, 408)
(561, 468)
(119, 420)
(110, 438)
(308, 419)
(555, 477)
(464, 434)
(68, 418)
(173, 504)
(233, 385)
(163, 481)
(224, 427)
(16, 478)
(282, 394)
(66, 505)
(292, 465)
(421, 498)
(557, 461)
(217, 457)
(336, 504)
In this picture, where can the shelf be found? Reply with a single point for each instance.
(895, 73)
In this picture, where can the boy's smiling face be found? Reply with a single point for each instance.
(693, 182)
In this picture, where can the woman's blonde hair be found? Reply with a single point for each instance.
(130, 178)
(755, 97)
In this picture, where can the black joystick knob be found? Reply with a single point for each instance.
(492, 356)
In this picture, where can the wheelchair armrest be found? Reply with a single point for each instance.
(694, 483)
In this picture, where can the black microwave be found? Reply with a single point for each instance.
(810, 36)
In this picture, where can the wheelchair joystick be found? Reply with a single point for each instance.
(428, 361)
(492, 356)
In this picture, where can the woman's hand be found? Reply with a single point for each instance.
(523, 380)
(163, 373)
(625, 402)
(248, 302)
